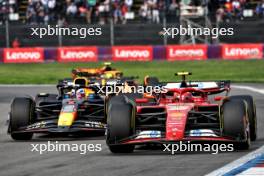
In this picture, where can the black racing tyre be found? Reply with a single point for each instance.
(106, 104)
(121, 98)
(133, 96)
(251, 113)
(21, 115)
(235, 122)
(120, 124)
(151, 81)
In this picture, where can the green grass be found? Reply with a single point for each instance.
(49, 73)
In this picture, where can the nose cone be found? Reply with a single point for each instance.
(66, 119)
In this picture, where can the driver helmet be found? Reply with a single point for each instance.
(80, 94)
(187, 97)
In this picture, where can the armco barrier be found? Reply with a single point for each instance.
(132, 53)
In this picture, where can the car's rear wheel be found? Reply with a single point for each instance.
(235, 122)
(21, 115)
(120, 124)
(251, 114)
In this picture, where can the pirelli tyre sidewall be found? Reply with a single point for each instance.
(120, 123)
(22, 114)
(236, 122)
(251, 113)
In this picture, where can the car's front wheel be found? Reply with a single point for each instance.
(236, 123)
(120, 124)
(21, 115)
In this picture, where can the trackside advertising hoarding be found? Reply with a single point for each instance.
(242, 51)
(77, 54)
(132, 53)
(186, 52)
(23, 55)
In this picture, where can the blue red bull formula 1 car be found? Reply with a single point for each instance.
(76, 108)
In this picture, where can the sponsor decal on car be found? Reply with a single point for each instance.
(202, 132)
(177, 115)
(94, 124)
(177, 107)
(41, 124)
(149, 134)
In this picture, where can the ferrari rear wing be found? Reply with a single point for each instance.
(210, 87)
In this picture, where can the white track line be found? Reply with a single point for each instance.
(253, 89)
(239, 162)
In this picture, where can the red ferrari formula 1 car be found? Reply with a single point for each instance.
(184, 112)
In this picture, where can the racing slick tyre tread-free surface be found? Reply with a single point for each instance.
(234, 122)
(133, 96)
(251, 114)
(120, 125)
(22, 113)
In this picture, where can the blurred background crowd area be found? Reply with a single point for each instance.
(123, 11)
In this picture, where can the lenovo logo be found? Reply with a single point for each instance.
(23, 55)
(186, 52)
(77, 54)
(132, 53)
(242, 51)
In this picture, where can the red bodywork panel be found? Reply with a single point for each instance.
(176, 120)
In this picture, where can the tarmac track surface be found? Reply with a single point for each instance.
(17, 159)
